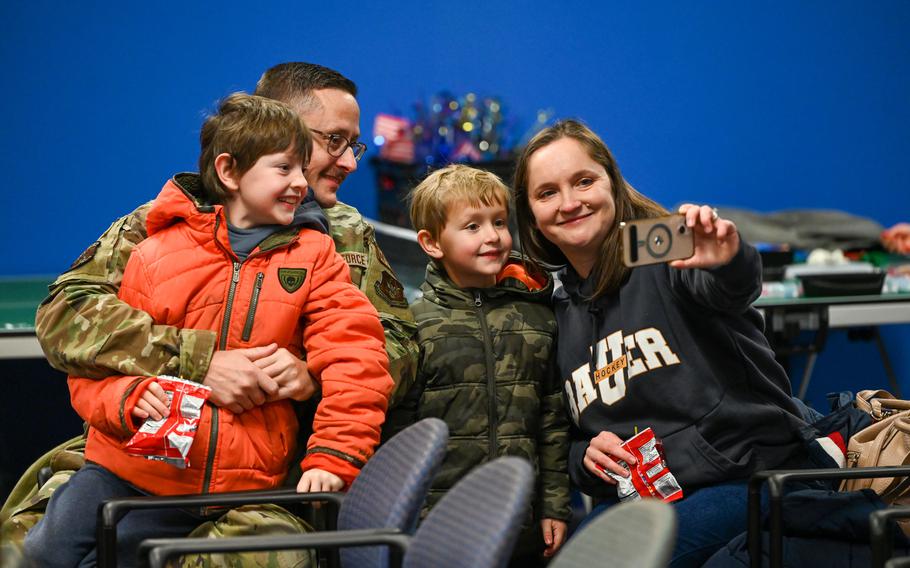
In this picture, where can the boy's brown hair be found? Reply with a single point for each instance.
(248, 127)
(455, 184)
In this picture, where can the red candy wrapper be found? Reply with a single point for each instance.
(650, 477)
(170, 438)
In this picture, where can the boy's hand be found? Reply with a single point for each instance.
(237, 383)
(152, 403)
(716, 239)
(554, 534)
(314, 480)
(290, 373)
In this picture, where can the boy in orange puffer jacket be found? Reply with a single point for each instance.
(242, 250)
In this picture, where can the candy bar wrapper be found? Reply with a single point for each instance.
(650, 477)
(170, 438)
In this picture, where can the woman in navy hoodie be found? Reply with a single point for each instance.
(676, 347)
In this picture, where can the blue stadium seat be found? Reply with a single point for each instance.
(388, 494)
(474, 526)
(640, 534)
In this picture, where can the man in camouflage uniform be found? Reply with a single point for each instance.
(85, 330)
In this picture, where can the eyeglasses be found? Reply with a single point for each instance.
(337, 145)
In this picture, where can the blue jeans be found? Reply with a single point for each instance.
(707, 519)
(806, 412)
(66, 536)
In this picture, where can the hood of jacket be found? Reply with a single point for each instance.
(512, 279)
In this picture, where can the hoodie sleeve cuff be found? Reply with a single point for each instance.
(742, 276)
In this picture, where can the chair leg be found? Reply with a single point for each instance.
(886, 361)
(807, 375)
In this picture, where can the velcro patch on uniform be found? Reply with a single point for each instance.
(390, 289)
(86, 255)
(291, 279)
(354, 258)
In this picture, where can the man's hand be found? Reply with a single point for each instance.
(237, 383)
(290, 373)
(315, 480)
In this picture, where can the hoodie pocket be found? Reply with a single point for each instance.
(696, 462)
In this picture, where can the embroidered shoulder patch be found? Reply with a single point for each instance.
(291, 279)
(354, 258)
(86, 255)
(390, 289)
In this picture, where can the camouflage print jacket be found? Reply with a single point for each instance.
(86, 331)
(486, 370)
(355, 241)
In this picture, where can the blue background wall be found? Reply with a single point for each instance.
(765, 105)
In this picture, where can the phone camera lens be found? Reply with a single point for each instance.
(682, 229)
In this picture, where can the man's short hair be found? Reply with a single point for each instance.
(455, 184)
(248, 127)
(294, 82)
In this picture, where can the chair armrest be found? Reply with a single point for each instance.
(159, 551)
(776, 480)
(113, 510)
(878, 533)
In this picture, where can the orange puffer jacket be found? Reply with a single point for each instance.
(293, 289)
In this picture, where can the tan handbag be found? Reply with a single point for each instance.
(880, 403)
(885, 443)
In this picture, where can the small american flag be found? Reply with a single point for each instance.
(466, 152)
(395, 135)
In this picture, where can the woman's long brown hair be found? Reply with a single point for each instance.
(609, 270)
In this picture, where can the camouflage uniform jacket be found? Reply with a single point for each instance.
(86, 331)
(486, 370)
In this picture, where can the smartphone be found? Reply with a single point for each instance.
(661, 239)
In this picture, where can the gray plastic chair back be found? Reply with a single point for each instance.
(640, 534)
(476, 524)
(391, 488)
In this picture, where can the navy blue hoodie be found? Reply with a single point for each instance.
(682, 352)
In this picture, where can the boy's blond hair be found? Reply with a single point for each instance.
(455, 184)
(248, 127)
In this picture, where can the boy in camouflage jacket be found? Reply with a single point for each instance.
(486, 331)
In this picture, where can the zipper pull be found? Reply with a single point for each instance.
(477, 301)
(235, 278)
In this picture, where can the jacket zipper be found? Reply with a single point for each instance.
(222, 343)
(228, 308)
(254, 301)
(491, 376)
